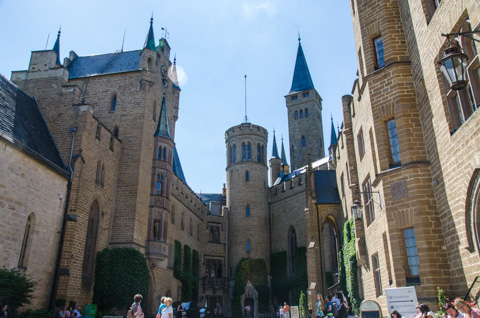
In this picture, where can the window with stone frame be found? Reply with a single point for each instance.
(413, 262)
(296, 115)
(361, 144)
(304, 143)
(159, 153)
(191, 227)
(113, 103)
(368, 201)
(214, 267)
(247, 211)
(247, 176)
(379, 52)
(27, 242)
(292, 246)
(91, 242)
(102, 176)
(234, 159)
(301, 113)
(248, 246)
(393, 141)
(214, 233)
(342, 183)
(463, 103)
(244, 151)
(306, 111)
(377, 276)
(431, 6)
(157, 229)
(249, 151)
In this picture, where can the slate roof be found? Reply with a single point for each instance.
(212, 197)
(163, 128)
(285, 177)
(177, 166)
(302, 81)
(22, 124)
(275, 149)
(326, 186)
(333, 138)
(110, 63)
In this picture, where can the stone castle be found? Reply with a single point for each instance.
(100, 143)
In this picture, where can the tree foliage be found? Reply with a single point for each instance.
(120, 273)
(15, 288)
(303, 306)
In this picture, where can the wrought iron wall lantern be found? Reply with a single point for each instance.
(453, 61)
(357, 209)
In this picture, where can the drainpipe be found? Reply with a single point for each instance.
(56, 276)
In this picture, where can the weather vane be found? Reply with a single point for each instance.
(166, 35)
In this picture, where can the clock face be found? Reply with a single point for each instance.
(164, 75)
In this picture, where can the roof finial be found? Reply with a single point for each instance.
(175, 59)
(56, 46)
(150, 40)
(151, 19)
(123, 41)
(299, 38)
(246, 118)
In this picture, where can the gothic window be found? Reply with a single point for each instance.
(247, 211)
(149, 64)
(377, 275)
(159, 153)
(306, 112)
(27, 242)
(230, 155)
(102, 176)
(361, 144)
(90, 243)
(213, 233)
(259, 155)
(303, 141)
(296, 115)
(234, 153)
(342, 182)
(244, 151)
(301, 113)
(292, 246)
(113, 103)
(249, 151)
(432, 6)
(159, 184)
(98, 131)
(247, 176)
(379, 52)
(368, 200)
(262, 155)
(412, 256)
(394, 145)
(248, 246)
(213, 267)
(164, 154)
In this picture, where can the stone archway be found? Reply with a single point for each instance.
(250, 298)
(330, 246)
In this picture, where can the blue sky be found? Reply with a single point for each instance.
(216, 43)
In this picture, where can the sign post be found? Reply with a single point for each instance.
(403, 300)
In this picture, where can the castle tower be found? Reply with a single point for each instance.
(304, 106)
(285, 166)
(247, 193)
(333, 140)
(275, 162)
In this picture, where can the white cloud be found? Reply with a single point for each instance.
(254, 8)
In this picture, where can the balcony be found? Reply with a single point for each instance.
(157, 250)
(214, 282)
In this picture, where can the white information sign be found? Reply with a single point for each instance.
(403, 300)
(294, 312)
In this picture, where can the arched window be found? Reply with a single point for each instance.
(306, 112)
(159, 184)
(27, 242)
(164, 154)
(90, 242)
(234, 153)
(159, 153)
(263, 154)
(301, 113)
(259, 155)
(292, 246)
(247, 176)
(248, 246)
(303, 141)
(102, 176)
(113, 103)
(296, 115)
(230, 155)
(247, 212)
(249, 151)
(244, 152)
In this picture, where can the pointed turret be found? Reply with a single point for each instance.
(173, 74)
(285, 166)
(302, 81)
(163, 128)
(150, 40)
(56, 46)
(275, 149)
(333, 140)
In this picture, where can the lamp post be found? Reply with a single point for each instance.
(357, 210)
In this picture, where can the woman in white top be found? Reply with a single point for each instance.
(168, 311)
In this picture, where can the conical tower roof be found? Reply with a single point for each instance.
(163, 128)
(275, 149)
(333, 138)
(302, 81)
(150, 40)
(56, 46)
(284, 157)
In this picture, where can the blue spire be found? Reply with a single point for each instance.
(275, 149)
(302, 80)
(284, 157)
(56, 46)
(163, 128)
(150, 40)
(333, 140)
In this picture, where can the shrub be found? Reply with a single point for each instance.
(60, 302)
(39, 313)
(303, 307)
(15, 288)
(120, 273)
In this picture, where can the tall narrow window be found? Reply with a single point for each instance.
(296, 115)
(262, 155)
(368, 200)
(412, 256)
(244, 151)
(248, 246)
(249, 151)
(247, 176)
(98, 131)
(99, 171)
(303, 141)
(301, 113)
(361, 144)
(247, 212)
(342, 183)
(159, 153)
(377, 275)
(378, 43)
(258, 153)
(113, 104)
(90, 243)
(393, 137)
(234, 153)
(306, 112)
(102, 176)
(173, 214)
(164, 154)
(27, 242)
(292, 246)
(230, 155)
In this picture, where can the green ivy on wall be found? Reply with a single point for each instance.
(255, 271)
(348, 267)
(187, 274)
(195, 275)
(281, 284)
(177, 260)
(120, 273)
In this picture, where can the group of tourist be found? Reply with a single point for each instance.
(334, 305)
(459, 308)
(69, 312)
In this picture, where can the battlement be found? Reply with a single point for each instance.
(246, 129)
(185, 194)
